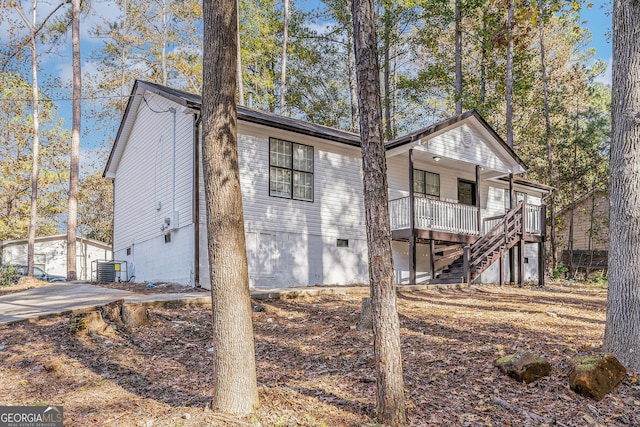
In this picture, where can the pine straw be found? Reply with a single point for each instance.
(315, 368)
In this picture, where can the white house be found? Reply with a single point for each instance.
(50, 254)
(302, 198)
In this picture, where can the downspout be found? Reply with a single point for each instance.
(173, 166)
(196, 200)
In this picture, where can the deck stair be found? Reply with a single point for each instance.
(475, 259)
(491, 247)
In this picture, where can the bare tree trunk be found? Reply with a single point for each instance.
(352, 74)
(458, 55)
(163, 57)
(239, 71)
(387, 71)
(509, 75)
(234, 371)
(622, 330)
(547, 137)
(33, 215)
(283, 69)
(74, 172)
(509, 112)
(123, 59)
(390, 401)
(483, 60)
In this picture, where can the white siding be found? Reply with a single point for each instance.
(476, 151)
(153, 260)
(144, 191)
(401, 262)
(293, 242)
(492, 274)
(54, 252)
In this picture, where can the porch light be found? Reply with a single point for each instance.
(436, 158)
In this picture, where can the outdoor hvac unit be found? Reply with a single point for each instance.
(109, 271)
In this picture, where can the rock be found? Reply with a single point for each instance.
(186, 416)
(524, 366)
(134, 315)
(52, 365)
(596, 376)
(257, 307)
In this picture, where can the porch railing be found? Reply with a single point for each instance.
(533, 220)
(456, 218)
(436, 215)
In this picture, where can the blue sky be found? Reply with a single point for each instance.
(59, 64)
(599, 23)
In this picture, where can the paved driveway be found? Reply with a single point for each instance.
(55, 299)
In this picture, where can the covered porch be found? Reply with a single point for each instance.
(461, 183)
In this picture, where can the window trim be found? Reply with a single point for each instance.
(292, 170)
(425, 194)
(473, 184)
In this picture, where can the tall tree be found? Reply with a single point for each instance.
(390, 401)
(234, 371)
(16, 144)
(622, 330)
(74, 167)
(509, 74)
(283, 60)
(458, 54)
(547, 133)
(33, 28)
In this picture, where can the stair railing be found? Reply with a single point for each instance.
(502, 237)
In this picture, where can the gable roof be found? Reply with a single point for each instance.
(435, 128)
(54, 237)
(193, 102)
(586, 196)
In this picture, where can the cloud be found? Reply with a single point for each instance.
(64, 70)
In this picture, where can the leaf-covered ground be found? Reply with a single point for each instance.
(316, 369)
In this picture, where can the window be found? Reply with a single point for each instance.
(466, 192)
(426, 183)
(290, 170)
(167, 238)
(129, 251)
(521, 197)
(342, 243)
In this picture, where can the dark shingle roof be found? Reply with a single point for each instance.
(194, 101)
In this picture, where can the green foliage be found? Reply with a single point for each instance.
(560, 271)
(16, 157)
(95, 208)
(8, 275)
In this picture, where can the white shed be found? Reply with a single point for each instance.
(50, 254)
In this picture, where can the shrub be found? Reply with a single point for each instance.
(8, 275)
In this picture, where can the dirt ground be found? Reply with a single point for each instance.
(316, 369)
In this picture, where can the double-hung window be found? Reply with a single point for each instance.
(290, 170)
(426, 183)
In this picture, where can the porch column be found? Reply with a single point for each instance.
(542, 249)
(512, 261)
(521, 244)
(432, 258)
(412, 224)
(478, 204)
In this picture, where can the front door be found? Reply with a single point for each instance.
(466, 192)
